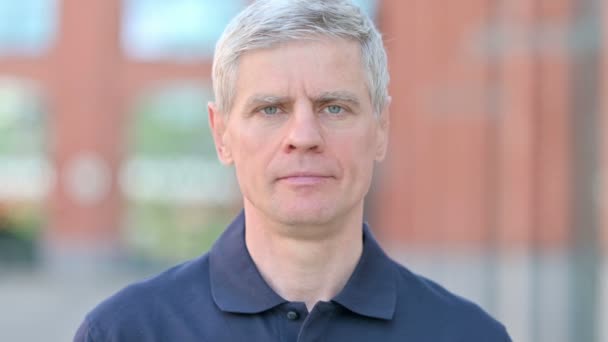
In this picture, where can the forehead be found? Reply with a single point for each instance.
(304, 66)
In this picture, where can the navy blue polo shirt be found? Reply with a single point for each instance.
(221, 296)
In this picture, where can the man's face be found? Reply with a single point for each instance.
(301, 132)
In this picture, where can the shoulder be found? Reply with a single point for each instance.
(444, 312)
(140, 305)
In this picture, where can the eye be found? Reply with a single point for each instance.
(334, 109)
(270, 110)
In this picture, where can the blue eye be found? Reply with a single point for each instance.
(334, 109)
(270, 110)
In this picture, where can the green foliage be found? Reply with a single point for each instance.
(168, 232)
(172, 123)
(27, 221)
(22, 125)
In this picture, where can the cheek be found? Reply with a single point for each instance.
(244, 141)
(252, 152)
(356, 154)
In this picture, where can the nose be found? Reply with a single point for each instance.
(304, 131)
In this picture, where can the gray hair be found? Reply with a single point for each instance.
(266, 23)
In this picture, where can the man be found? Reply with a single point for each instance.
(301, 112)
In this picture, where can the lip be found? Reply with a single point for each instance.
(304, 178)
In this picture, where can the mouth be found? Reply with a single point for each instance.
(304, 179)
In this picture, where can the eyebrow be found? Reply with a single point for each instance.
(324, 97)
(266, 99)
(343, 96)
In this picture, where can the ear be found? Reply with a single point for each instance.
(383, 132)
(217, 122)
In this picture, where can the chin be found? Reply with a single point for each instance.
(305, 216)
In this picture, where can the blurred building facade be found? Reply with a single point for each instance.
(496, 153)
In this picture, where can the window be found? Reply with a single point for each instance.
(26, 175)
(25, 168)
(368, 6)
(179, 195)
(186, 30)
(27, 27)
(178, 29)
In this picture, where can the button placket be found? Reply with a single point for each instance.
(313, 326)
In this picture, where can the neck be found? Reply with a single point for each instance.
(304, 270)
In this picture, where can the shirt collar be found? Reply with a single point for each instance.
(236, 283)
(372, 288)
(237, 286)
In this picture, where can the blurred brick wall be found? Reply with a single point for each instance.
(480, 149)
(480, 121)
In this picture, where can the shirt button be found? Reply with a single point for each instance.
(292, 315)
